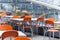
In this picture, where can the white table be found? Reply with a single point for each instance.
(9, 16)
(19, 33)
(57, 22)
(21, 19)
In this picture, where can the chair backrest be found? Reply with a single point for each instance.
(27, 18)
(22, 16)
(22, 38)
(9, 34)
(3, 14)
(40, 19)
(51, 19)
(48, 22)
(15, 17)
(6, 27)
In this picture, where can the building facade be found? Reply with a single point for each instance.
(35, 9)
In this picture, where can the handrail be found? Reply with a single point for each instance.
(45, 4)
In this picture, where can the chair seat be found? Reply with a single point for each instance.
(52, 30)
(26, 26)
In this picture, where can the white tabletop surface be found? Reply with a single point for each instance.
(9, 16)
(21, 19)
(57, 22)
(19, 33)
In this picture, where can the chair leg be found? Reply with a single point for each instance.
(36, 30)
(18, 27)
(49, 35)
(23, 29)
(53, 35)
(59, 34)
(31, 31)
(44, 35)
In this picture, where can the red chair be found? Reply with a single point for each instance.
(9, 34)
(22, 38)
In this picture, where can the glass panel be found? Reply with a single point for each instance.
(21, 1)
(7, 0)
(29, 6)
(8, 7)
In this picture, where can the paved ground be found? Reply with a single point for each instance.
(41, 38)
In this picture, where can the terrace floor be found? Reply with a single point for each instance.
(38, 37)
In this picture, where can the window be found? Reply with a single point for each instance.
(6, 0)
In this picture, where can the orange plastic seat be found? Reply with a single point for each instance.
(27, 18)
(22, 38)
(22, 16)
(49, 22)
(9, 34)
(15, 17)
(51, 19)
(40, 19)
(6, 27)
(52, 30)
(3, 14)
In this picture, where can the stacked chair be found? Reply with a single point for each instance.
(39, 23)
(49, 27)
(15, 24)
(27, 24)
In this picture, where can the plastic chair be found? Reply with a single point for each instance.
(40, 23)
(50, 27)
(22, 38)
(51, 19)
(9, 34)
(15, 23)
(15, 17)
(6, 27)
(22, 16)
(27, 23)
(3, 14)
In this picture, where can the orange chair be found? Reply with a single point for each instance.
(9, 34)
(27, 24)
(40, 19)
(40, 23)
(3, 14)
(50, 25)
(22, 16)
(15, 17)
(6, 27)
(51, 19)
(22, 38)
(16, 23)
